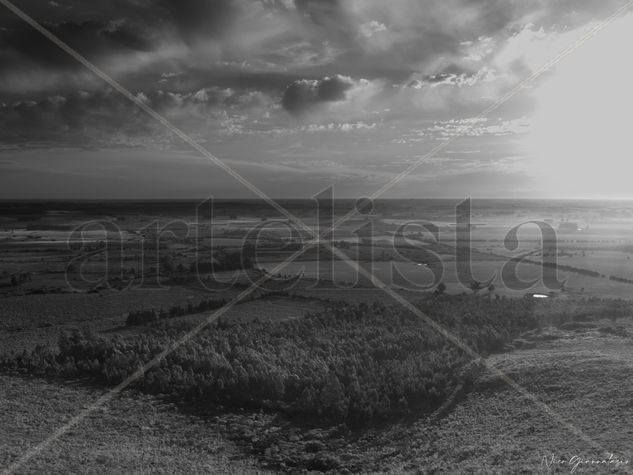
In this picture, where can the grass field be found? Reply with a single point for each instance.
(577, 360)
(132, 434)
(34, 311)
(489, 428)
(582, 377)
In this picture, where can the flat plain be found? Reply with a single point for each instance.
(316, 369)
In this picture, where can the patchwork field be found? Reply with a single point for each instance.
(315, 369)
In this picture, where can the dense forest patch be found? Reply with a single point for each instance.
(354, 363)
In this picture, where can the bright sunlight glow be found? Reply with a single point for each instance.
(581, 140)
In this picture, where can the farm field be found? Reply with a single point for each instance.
(282, 380)
(316, 237)
(420, 278)
(37, 331)
(42, 310)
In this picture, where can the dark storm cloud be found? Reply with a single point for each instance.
(320, 11)
(181, 35)
(128, 37)
(199, 17)
(92, 38)
(107, 30)
(289, 49)
(414, 34)
(328, 15)
(306, 94)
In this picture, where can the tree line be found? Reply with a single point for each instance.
(354, 363)
(148, 316)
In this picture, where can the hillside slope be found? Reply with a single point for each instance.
(585, 376)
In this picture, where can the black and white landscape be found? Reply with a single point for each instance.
(346, 236)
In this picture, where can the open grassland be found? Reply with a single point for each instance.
(132, 434)
(40, 329)
(310, 376)
(583, 377)
(577, 363)
(33, 311)
(263, 310)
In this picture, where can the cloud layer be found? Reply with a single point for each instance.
(265, 77)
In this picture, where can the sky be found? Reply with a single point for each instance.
(299, 95)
